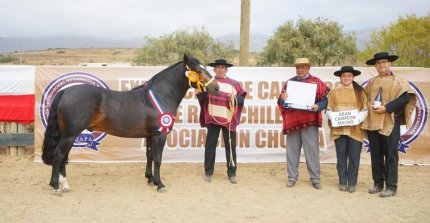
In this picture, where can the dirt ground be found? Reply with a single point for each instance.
(119, 193)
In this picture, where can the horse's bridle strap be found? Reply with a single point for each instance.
(207, 83)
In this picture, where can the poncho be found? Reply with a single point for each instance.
(392, 87)
(297, 119)
(343, 98)
(221, 109)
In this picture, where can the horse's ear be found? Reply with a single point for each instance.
(186, 58)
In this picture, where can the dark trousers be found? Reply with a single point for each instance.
(348, 153)
(385, 157)
(210, 149)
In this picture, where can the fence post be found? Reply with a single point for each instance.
(13, 150)
(21, 149)
(7, 130)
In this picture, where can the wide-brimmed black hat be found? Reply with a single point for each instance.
(347, 69)
(380, 56)
(220, 62)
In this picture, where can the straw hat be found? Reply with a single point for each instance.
(302, 61)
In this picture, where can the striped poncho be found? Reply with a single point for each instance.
(221, 109)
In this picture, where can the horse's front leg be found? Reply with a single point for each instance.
(149, 159)
(157, 152)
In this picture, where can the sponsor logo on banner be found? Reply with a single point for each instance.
(86, 138)
(419, 117)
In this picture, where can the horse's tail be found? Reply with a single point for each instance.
(52, 132)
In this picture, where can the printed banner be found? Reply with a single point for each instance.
(259, 137)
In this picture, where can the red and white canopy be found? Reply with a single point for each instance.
(17, 94)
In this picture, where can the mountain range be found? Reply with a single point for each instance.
(257, 42)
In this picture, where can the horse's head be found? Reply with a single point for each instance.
(198, 75)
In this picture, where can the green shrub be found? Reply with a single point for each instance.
(7, 59)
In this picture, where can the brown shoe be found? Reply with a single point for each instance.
(342, 187)
(387, 193)
(375, 189)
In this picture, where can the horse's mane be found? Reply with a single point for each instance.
(138, 87)
(157, 76)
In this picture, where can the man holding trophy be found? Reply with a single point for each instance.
(392, 102)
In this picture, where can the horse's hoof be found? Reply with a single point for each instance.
(65, 190)
(151, 183)
(161, 190)
(56, 192)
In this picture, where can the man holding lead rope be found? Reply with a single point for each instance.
(221, 112)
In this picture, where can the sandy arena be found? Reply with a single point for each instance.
(119, 193)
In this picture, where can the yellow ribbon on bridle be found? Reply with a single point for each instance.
(193, 77)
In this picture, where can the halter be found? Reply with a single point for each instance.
(193, 77)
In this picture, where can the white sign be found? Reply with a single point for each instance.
(344, 118)
(301, 95)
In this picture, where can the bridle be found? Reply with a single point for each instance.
(194, 77)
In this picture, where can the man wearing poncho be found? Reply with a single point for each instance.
(221, 112)
(383, 122)
(302, 126)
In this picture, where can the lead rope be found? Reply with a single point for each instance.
(232, 111)
(233, 102)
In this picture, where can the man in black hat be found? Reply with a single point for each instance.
(221, 112)
(383, 122)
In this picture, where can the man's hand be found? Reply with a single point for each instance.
(314, 108)
(380, 110)
(284, 96)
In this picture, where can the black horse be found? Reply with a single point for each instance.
(147, 111)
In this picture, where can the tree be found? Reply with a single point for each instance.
(171, 48)
(322, 41)
(409, 38)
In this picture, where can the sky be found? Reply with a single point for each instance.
(125, 19)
